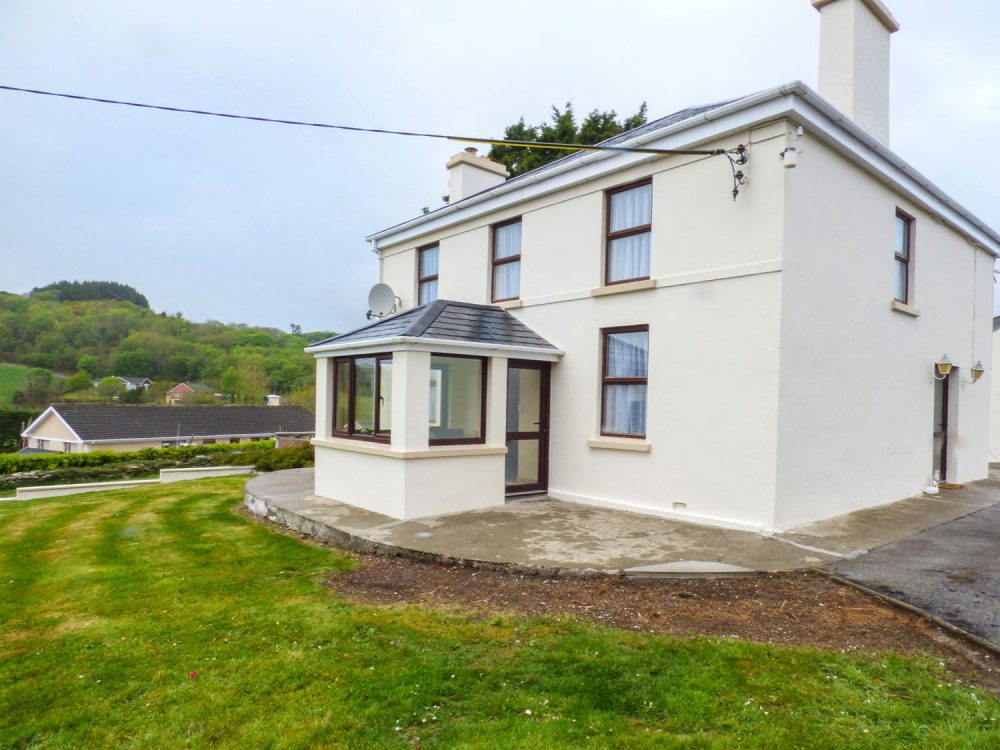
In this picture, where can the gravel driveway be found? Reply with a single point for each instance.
(951, 571)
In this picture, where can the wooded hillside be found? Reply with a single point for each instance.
(111, 337)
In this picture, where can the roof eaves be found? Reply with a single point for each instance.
(51, 410)
(580, 159)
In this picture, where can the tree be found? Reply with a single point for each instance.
(88, 364)
(74, 291)
(111, 388)
(79, 382)
(596, 127)
(135, 363)
(133, 396)
(39, 386)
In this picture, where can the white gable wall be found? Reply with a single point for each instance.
(856, 392)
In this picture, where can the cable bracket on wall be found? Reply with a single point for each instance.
(738, 157)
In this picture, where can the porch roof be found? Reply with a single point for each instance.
(444, 324)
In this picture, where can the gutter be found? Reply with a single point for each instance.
(795, 88)
(441, 345)
(587, 158)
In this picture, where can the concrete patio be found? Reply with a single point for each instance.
(556, 537)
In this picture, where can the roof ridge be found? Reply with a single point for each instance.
(434, 309)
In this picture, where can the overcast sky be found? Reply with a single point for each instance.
(265, 224)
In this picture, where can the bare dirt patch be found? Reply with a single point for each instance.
(787, 609)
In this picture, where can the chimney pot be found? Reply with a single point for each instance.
(470, 173)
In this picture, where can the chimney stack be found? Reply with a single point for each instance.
(469, 174)
(854, 60)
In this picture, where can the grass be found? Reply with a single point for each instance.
(159, 618)
(12, 378)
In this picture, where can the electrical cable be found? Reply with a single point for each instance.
(383, 131)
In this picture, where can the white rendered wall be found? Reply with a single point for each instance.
(856, 394)
(407, 478)
(994, 399)
(714, 322)
(375, 483)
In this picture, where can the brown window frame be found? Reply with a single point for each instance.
(349, 433)
(421, 280)
(606, 381)
(609, 235)
(503, 261)
(482, 404)
(906, 260)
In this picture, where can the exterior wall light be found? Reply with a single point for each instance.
(942, 368)
(976, 372)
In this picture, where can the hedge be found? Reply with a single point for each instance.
(12, 462)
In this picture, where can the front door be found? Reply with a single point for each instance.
(941, 428)
(527, 426)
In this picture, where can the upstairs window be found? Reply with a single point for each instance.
(624, 381)
(362, 401)
(903, 247)
(427, 274)
(629, 221)
(507, 261)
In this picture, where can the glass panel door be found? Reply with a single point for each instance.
(527, 426)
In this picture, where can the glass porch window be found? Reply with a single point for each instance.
(362, 399)
(457, 400)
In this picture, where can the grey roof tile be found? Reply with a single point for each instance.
(112, 422)
(454, 321)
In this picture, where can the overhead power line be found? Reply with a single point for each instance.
(383, 131)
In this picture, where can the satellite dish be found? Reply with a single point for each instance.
(381, 301)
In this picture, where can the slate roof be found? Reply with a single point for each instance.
(127, 422)
(461, 322)
(996, 323)
(195, 387)
(133, 381)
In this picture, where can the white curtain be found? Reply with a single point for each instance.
(428, 292)
(507, 280)
(627, 354)
(625, 409)
(429, 261)
(628, 257)
(507, 240)
(632, 208)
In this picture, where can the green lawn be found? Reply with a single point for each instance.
(158, 618)
(12, 379)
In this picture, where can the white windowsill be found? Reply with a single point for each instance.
(509, 304)
(638, 445)
(902, 307)
(628, 286)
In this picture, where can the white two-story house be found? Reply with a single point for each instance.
(615, 329)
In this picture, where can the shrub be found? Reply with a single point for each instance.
(285, 458)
